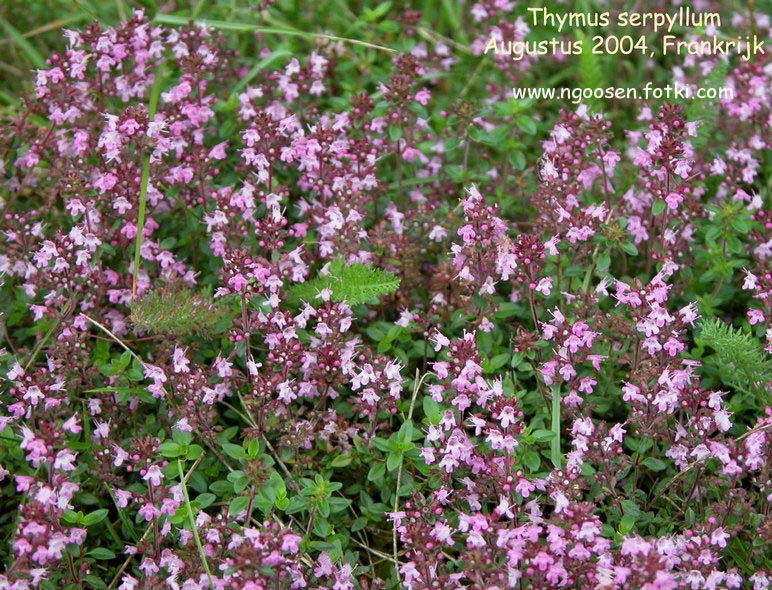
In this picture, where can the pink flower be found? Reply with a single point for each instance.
(422, 96)
(149, 511)
(218, 151)
(673, 200)
(153, 475)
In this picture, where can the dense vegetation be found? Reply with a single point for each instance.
(298, 296)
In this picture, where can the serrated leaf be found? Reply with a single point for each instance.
(705, 110)
(355, 284)
(739, 357)
(590, 69)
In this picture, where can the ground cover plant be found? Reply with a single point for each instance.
(296, 295)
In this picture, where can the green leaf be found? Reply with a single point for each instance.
(95, 582)
(95, 517)
(171, 449)
(627, 524)
(359, 524)
(630, 248)
(532, 460)
(604, 261)
(194, 452)
(355, 283)
(493, 364)
(221, 487)
(517, 159)
(238, 505)
(205, 499)
(376, 473)
(72, 517)
(658, 207)
(431, 410)
(705, 110)
(527, 124)
(101, 553)
(235, 451)
(631, 508)
(338, 504)
(239, 480)
(542, 435)
(341, 460)
(393, 460)
(590, 69)
(323, 506)
(405, 433)
(382, 444)
(181, 437)
(739, 358)
(654, 464)
(451, 144)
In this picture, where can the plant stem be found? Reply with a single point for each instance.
(193, 524)
(416, 387)
(41, 343)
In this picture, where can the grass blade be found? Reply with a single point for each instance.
(145, 179)
(555, 444)
(32, 54)
(168, 19)
(258, 67)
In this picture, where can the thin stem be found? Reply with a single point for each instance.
(68, 310)
(416, 387)
(193, 524)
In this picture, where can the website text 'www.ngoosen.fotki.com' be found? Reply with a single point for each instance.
(675, 91)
